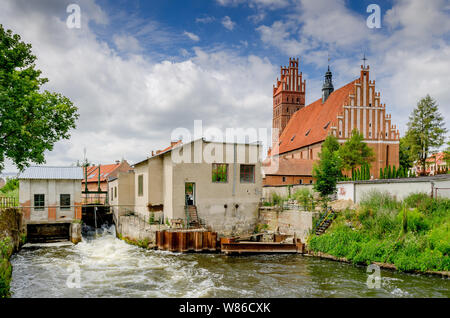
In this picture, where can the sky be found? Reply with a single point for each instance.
(138, 69)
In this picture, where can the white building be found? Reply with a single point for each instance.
(50, 194)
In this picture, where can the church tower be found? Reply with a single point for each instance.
(327, 87)
(288, 95)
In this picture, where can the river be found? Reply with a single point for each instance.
(109, 267)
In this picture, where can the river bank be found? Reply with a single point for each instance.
(11, 238)
(409, 236)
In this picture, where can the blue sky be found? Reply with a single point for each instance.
(139, 69)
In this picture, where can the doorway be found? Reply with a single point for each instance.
(189, 191)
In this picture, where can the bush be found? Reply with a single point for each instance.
(277, 199)
(376, 233)
(305, 197)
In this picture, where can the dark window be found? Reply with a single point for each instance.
(310, 181)
(39, 201)
(300, 181)
(247, 173)
(112, 194)
(284, 179)
(219, 172)
(64, 201)
(140, 185)
(115, 192)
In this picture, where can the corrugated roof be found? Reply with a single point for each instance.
(46, 172)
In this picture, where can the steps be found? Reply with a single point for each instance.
(192, 215)
(325, 221)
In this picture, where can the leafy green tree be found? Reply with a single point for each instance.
(381, 173)
(394, 172)
(328, 169)
(355, 152)
(426, 130)
(447, 154)
(31, 121)
(405, 156)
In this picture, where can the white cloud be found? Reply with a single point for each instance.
(272, 4)
(409, 56)
(192, 36)
(206, 19)
(227, 23)
(130, 105)
(127, 43)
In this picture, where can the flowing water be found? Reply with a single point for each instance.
(109, 267)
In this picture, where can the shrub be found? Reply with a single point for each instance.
(306, 198)
(277, 199)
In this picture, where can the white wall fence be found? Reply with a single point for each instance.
(438, 186)
(399, 188)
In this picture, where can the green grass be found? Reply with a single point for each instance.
(374, 233)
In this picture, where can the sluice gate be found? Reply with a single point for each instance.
(187, 241)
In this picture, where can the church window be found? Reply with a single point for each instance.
(284, 179)
(370, 104)
(370, 134)
(340, 133)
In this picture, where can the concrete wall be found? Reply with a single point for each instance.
(399, 188)
(141, 201)
(135, 228)
(51, 189)
(288, 222)
(124, 201)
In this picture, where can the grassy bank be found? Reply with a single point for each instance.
(413, 235)
(10, 241)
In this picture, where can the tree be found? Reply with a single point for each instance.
(328, 169)
(355, 152)
(447, 154)
(426, 130)
(31, 121)
(405, 157)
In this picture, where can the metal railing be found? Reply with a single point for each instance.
(8, 202)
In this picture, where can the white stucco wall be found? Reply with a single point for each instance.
(52, 190)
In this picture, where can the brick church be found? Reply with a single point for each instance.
(302, 129)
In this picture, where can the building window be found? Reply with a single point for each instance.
(112, 194)
(39, 201)
(247, 173)
(300, 181)
(140, 185)
(284, 179)
(310, 181)
(115, 192)
(64, 201)
(219, 172)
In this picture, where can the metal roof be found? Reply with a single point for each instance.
(45, 172)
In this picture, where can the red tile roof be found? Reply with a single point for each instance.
(105, 171)
(287, 167)
(310, 124)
